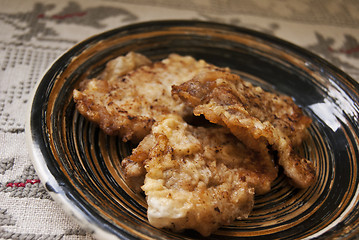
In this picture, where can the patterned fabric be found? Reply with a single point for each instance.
(34, 33)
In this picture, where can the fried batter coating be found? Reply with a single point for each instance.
(197, 178)
(256, 117)
(132, 92)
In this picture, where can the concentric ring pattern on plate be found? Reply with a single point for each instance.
(80, 165)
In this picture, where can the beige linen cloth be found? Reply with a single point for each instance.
(35, 33)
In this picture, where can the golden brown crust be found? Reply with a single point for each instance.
(195, 177)
(256, 117)
(198, 178)
(131, 93)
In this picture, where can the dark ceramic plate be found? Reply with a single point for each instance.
(79, 164)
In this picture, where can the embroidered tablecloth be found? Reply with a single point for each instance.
(34, 33)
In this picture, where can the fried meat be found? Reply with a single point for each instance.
(195, 176)
(132, 92)
(198, 178)
(256, 117)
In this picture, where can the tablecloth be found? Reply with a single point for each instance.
(34, 33)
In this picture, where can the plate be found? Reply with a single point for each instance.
(80, 166)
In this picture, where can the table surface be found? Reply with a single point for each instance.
(34, 33)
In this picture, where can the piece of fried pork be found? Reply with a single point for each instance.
(132, 92)
(256, 117)
(195, 177)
